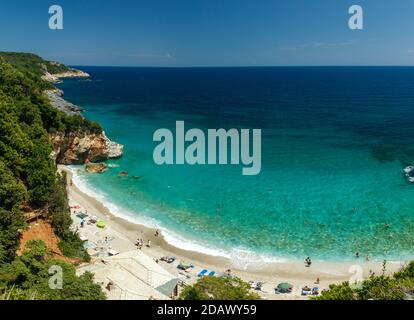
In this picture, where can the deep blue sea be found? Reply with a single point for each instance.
(334, 143)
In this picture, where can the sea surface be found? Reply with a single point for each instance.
(334, 143)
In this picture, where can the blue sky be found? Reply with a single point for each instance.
(211, 32)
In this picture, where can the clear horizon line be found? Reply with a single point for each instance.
(259, 66)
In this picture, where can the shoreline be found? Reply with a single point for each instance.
(171, 238)
(271, 273)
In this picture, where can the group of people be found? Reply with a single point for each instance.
(367, 257)
(308, 261)
(140, 243)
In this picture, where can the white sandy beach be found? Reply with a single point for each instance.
(125, 233)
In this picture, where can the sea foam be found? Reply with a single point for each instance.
(241, 258)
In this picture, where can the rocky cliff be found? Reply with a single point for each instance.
(77, 147)
(56, 99)
(81, 148)
(72, 73)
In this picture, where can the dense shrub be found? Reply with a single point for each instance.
(219, 288)
(28, 178)
(27, 277)
(399, 286)
(72, 247)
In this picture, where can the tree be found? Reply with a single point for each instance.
(59, 208)
(11, 221)
(29, 275)
(28, 179)
(399, 286)
(338, 292)
(219, 288)
(12, 191)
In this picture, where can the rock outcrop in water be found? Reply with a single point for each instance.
(80, 149)
(96, 167)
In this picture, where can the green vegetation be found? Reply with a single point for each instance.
(21, 79)
(400, 286)
(219, 288)
(72, 247)
(30, 274)
(28, 175)
(29, 63)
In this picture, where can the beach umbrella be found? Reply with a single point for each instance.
(101, 224)
(82, 215)
(284, 287)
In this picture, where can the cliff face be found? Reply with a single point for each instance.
(77, 148)
(55, 78)
(56, 99)
(80, 149)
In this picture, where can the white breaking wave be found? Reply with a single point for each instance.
(241, 258)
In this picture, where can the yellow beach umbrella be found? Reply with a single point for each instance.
(101, 223)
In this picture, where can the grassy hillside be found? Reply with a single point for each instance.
(28, 175)
(28, 62)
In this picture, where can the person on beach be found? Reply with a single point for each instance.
(367, 258)
(308, 262)
(317, 281)
(157, 233)
(149, 244)
(109, 286)
(357, 254)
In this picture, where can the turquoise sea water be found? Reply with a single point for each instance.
(335, 141)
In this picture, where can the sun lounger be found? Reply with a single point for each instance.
(202, 273)
(113, 252)
(183, 265)
(306, 291)
(211, 274)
